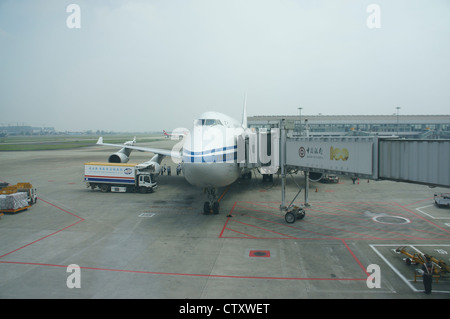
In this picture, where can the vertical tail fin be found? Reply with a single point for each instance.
(244, 114)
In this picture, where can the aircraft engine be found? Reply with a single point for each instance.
(315, 177)
(118, 157)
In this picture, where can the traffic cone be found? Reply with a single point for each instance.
(316, 190)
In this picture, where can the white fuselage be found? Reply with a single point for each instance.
(210, 151)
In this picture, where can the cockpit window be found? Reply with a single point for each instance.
(208, 122)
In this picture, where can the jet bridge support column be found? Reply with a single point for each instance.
(306, 173)
(291, 213)
(283, 164)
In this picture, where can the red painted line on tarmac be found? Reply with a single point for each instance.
(303, 230)
(264, 229)
(175, 274)
(184, 274)
(367, 227)
(224, 227)
(81, 219)
(443, 237)
(393, 208)
(247, 235)
(397, 209)
(40, 239)
(334, 214)
(419, 201)
(228, 219)
(223, 194)
(259, 211)
(377, 205)
(339, 209)
(344, 230)
(261, 205)
(354, 257)
(58, 231)
(423, 218)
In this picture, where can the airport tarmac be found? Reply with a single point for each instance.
(161, 245)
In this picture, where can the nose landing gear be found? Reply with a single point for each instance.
(212, 205)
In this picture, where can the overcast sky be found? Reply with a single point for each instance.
(158, 64)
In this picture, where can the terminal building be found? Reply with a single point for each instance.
(12, 130)
(404, 126)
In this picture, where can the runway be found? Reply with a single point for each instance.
(161, 246)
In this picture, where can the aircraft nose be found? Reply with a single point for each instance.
(210, 174)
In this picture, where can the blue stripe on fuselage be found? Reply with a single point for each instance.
(214, 150)
(211, 156)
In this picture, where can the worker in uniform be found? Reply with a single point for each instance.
(427, 275)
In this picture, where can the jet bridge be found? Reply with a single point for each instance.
(415, 161)
(378, 158)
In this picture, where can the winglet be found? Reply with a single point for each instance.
(244, 114)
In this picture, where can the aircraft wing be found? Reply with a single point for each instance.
(142, 149)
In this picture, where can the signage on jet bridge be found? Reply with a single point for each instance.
(343, 155)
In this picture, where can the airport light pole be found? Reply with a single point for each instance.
(398, 108)
(300, 114)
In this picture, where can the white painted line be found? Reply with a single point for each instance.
(420, 210)
(392, 267)
(404, 220)
(147, 215)
(407, 282)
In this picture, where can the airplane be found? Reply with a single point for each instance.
(208, 154)
(175, 135)
(122, 155)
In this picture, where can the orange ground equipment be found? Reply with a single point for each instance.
(16, 198)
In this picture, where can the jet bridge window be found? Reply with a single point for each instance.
(208, 122)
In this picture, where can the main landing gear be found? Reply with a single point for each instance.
(212, 205)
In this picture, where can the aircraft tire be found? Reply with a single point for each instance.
(289, 217)
(206, 208)
(216, 208)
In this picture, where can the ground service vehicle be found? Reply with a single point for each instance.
(329, 179)
(442, 200)
(120, 177)
(16, 198)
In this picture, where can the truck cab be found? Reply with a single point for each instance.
(146, 183)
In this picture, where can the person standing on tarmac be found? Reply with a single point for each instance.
(427, 275)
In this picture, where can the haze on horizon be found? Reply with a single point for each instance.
(152, 65)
